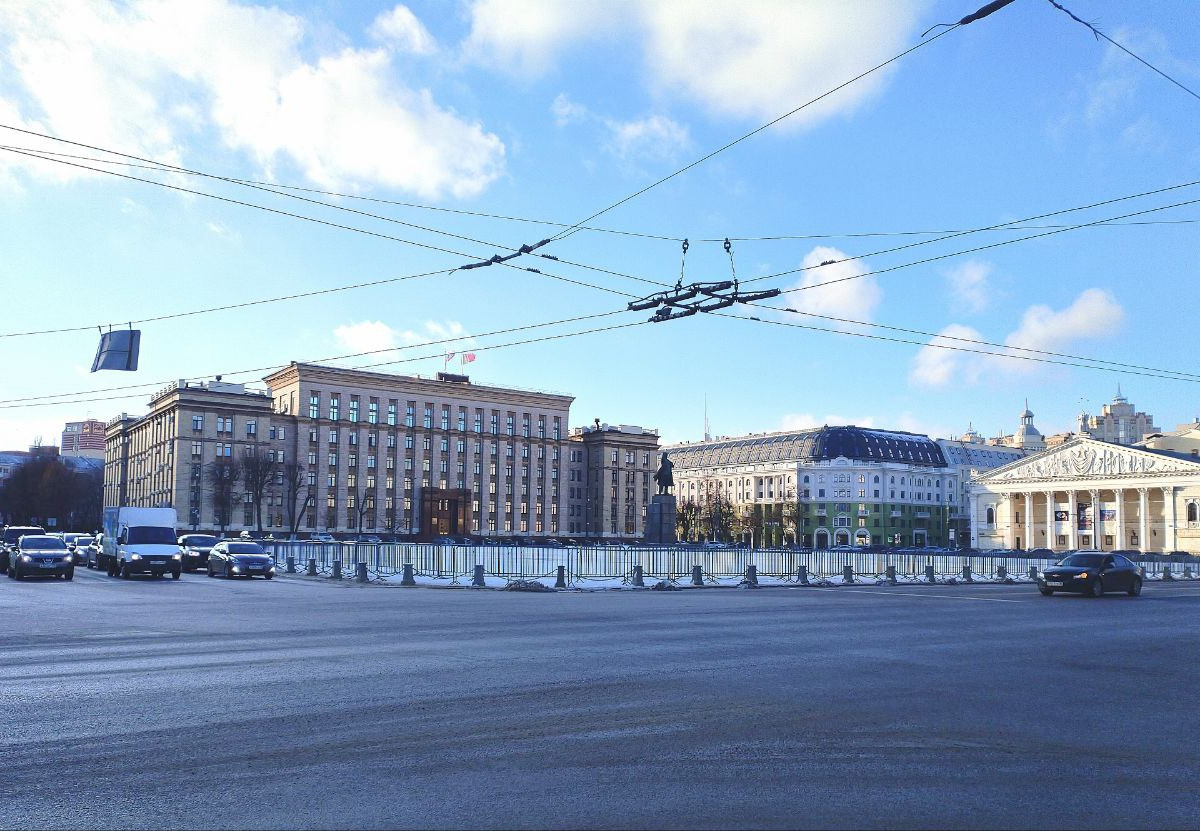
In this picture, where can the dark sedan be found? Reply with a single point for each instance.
(232, 558)
(195, 549)
(1092, 573)
(40, 555)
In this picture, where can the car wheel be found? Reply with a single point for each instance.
(1097, 588)
(90, 564)
(1136, 588)
(69, 574)
(125, 571)
(1046, 592)
(209, 570)
(17, 573)
(268, 576)
(175, 575)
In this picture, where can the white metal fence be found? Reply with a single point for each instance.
(456, 562)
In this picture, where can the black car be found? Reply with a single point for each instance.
(40, 555)
(1092, 573)
(233, 558)
(195, 548)
(9, 538)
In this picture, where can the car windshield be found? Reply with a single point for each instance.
(199, 541)
(148, 535)
(11, 535)
(1082, 560)
(245, 548)
(42, 544)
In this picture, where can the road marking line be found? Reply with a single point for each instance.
(886, 593)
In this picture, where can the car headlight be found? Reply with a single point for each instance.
(25, 558)
(176, 556)
(135, 556)
(1081, 575)
(234, 569)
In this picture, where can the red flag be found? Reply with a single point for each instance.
(468, 357)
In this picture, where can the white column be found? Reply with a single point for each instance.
(1169, 518)
(1010, 527)
(1073, 520)
(1051, 537)
(1120, 538)
(1028, 520)
(972, 517)
(1143, 524)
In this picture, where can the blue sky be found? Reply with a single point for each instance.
(552, 111)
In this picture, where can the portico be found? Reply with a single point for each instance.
(1090, 494)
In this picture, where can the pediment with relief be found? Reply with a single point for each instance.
(1096, 459)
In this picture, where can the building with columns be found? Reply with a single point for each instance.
(1088, 493)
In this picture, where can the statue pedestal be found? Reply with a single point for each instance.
(660, 520)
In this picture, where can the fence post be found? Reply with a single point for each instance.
(847, 574)
(637, 576)
(1033, 573)
(311, 571)
(891, 575)
(751, 578)
(1001, 573)
(966, 574)
(802, 575)
(408, 579)
(1167, 575)
(360, 575)
(1187, 572)
(291, 564)
(697, 576)
(337, 570)
(560, 582)
(477, 580)
(930, 576)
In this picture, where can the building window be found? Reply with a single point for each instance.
(335, 405)
(197, 449)
(391, 416)
(314, 405)
(373, 412)
(353, 408)
(408, 415)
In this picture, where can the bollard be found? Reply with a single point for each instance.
(560, 582)
(477, 580)
(1167, 575)
(891, 575)
(847, 574)
(311, 571)
(1187, 572)
(966, 574)
(697, 576)
(802, 576)
(751, 575)
(637, 576)
(930, 577)
(1033, 572)
(408, 579)
(337, 570)
(1001, 573)
(360, 573)
(291, 564)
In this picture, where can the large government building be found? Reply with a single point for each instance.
(1088, 493)
(369, 451)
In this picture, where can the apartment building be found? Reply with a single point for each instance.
(610, 480)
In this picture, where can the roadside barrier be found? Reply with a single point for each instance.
(606, 566)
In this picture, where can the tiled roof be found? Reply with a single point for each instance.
(811, 445)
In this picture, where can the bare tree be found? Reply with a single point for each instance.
(298, 495)
(687, 518)
(260, 470)
(224, 476)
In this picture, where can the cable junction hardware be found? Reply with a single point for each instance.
(685, 301)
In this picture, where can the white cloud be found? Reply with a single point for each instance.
(567, 111)
(969, 285)
(936, 367)
(388, 343)
(223, 231)
(746, 60)
(654, 137)
(1094, 314)
(366, 336)
(146, 76)
(846, 295)
(401, 29)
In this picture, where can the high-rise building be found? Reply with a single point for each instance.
(609, 477)
(83, 438)
(1118, 422)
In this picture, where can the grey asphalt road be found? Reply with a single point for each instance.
(297, 703)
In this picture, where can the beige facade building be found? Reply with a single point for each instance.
(609, 480)
(1027, 436)
(1093, 494)
(369, 451)
(1118, 422)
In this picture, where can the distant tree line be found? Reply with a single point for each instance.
(45, 488)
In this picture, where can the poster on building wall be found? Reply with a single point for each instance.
(1085, 517)
(1062, 516)
(1108, 514)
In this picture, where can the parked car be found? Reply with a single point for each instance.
(92, 551)
(370, 539)
(40, 554)
(195, 549)
(1092, 573)
(9, 538)
(322, 538)
(77, 544)
(236, 558)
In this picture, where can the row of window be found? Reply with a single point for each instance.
(334, 413)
